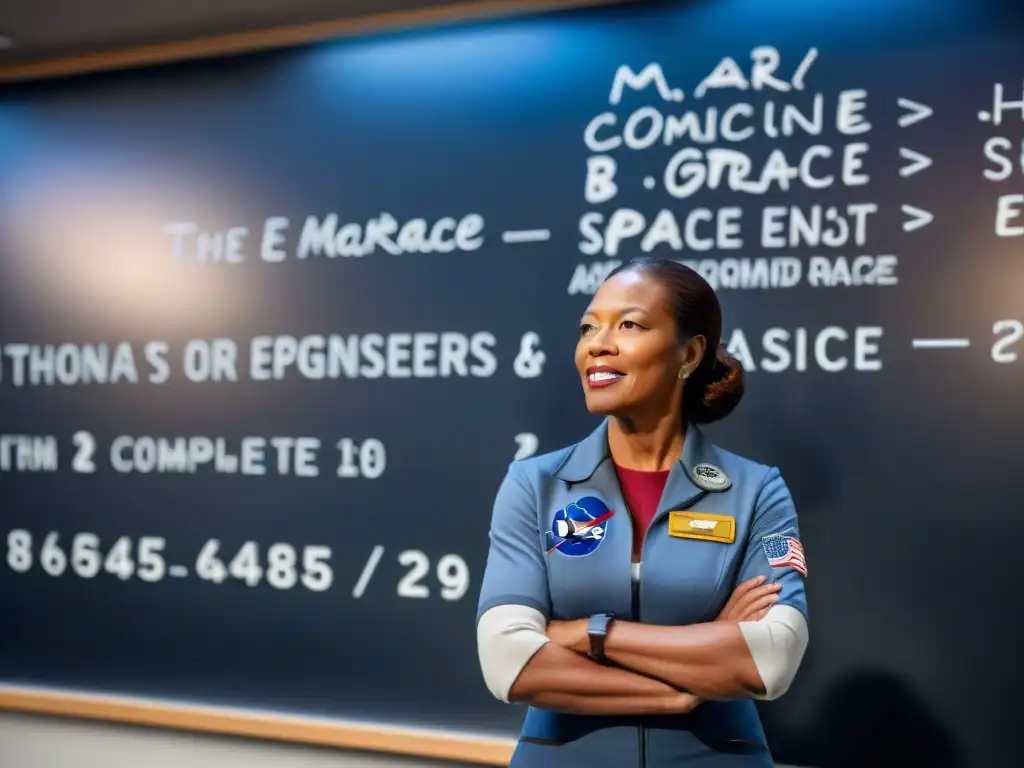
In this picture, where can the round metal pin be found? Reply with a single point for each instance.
(710, 478)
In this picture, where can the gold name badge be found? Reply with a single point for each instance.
(702, 525)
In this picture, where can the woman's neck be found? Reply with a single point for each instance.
(649, 447)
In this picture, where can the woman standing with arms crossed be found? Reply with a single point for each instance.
(644, 586)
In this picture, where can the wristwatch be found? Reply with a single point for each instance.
(597, 630)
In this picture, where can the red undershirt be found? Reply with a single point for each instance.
(642, 491)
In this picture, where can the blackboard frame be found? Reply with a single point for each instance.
(264, 725)
(297, 35)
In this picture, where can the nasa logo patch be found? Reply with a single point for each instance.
(579, 528)
(710, 478)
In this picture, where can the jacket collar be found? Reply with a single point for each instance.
(584, 458)
(589, 460)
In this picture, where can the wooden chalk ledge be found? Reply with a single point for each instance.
(260, 725)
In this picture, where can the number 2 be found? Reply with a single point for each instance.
(1014, 330)
(86, 445)
(528, 444)
(409, 585)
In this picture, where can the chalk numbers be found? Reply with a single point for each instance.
(1008, 334)
(281, 571)
(19, 551)
(283, 568)
(366, 459)
(526, 445)
(451, 572)
(85, 449)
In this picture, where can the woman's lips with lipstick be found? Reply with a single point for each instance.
(602, 376)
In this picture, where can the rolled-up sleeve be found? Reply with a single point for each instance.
(514, 604)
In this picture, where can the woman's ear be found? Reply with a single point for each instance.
(691, 353)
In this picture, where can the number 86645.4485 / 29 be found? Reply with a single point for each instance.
(281, 566)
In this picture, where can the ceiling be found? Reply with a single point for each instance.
(45, 32)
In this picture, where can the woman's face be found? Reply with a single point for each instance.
(628, 355)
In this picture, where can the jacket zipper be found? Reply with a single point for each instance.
(641, 729)
(635, 616)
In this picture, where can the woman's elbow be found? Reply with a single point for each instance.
(508, 637)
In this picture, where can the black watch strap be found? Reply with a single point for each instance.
(597, 630)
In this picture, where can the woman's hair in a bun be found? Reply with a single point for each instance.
(715, 396)
(716, 386)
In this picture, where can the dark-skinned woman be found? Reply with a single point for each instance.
(644, 586)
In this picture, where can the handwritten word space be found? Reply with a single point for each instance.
(706, 229)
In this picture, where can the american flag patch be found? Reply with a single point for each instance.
(785, 551)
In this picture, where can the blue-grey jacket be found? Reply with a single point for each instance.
(722, 519)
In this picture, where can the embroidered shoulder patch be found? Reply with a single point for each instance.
(785, 551)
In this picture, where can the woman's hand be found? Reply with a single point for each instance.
(750, 601)
(570, 634)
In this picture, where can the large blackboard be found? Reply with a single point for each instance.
(285, 311)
